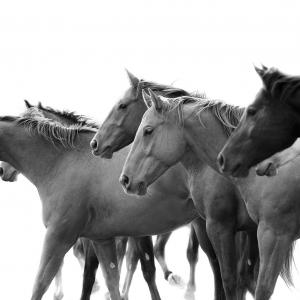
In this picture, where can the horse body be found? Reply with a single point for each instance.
(117, 131)
(272, 203)
(79, 199)
(215, 197)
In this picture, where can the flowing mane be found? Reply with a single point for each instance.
(56, 131)
(228, 115)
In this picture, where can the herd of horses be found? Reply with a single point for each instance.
(246, 224)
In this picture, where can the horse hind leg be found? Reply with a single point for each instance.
(146, 255)
(274, 250)
(121, 244)
(192, 256)
(90, 269)
(204, 241)
(107, 256)
(131, 264)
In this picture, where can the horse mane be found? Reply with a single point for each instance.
(163, 89)
(279, 85)
(56, 131)
(228, 115)
(70, 117)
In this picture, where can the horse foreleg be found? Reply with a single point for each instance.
(192, 256)
(222, 237)
(107, 256)
(131, 264)
(56, 245)
(273, 250)
(90, 269)
(200, 229)
(146, 255)
(58, 293)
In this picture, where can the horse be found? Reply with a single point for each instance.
(270, 166)
(269, 125)
(116, 132)
(83, 248)
(216, 199)
(81, 196)
(194, 130)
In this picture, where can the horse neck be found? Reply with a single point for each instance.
(205, 137)
(31, 154)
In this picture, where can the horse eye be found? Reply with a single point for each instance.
(122, 106)
(148, 130)
(251, 111)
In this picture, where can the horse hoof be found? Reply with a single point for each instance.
(189, 294)
(176, 280)
(96, 287)
(58, 296)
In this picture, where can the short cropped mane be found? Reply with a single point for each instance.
(279, 85)
(228, 115)
(53, 130)
(70, 117)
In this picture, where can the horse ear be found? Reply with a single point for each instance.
(260, 71)
(27, 104)
(139, 89)
(147, 98)
(134, 81)
(158, 103)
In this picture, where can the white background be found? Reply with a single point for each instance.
(72, 55)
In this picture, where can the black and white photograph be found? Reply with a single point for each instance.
(149, 150)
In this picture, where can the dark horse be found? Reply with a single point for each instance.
(270, 124)
(81, 196)
(118, 131)
(193, 131)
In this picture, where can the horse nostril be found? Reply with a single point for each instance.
(1, 171)
(124, 180)
(94, 144)
(221, 161)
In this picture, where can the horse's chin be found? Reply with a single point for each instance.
(239, 172)
(107, 153)
(139, 190)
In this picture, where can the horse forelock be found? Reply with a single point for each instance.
(228, 115)
(53, 130)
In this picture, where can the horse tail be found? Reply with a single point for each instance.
(286, 271)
